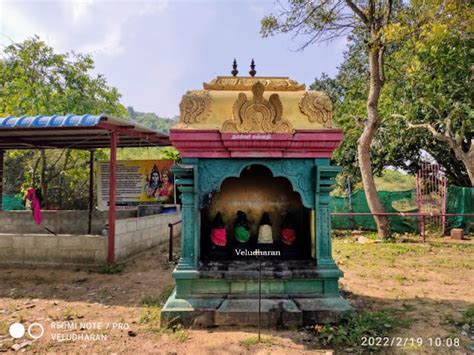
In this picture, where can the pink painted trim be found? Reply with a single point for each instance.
(213, 144)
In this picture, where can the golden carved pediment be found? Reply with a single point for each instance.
(257, 115)
(317, 107)
(195, 106)
(246, 83)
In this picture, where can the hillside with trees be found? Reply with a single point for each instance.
(152, 120)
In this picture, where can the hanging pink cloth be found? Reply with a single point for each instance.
(35, 204)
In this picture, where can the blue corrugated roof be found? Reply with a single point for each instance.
(49, 121)
(80, 132)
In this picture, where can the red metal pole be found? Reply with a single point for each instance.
(170, 247)
(91, 191)
(112, 190)
(1, 178)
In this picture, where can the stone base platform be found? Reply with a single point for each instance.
(223, 293)
(275, 312)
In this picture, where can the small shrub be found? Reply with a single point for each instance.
(252, 341)
(468, 316)
(111, 269)
(158, 301)
(179, 333)
(68, 314)
(151, 316)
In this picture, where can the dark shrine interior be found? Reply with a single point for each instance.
(255, 192)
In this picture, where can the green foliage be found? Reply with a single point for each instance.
(180, 334)
(152, 120)
(468, 316)
(158, 301)
(170, 153)
(427, 81)
(392, 180)
(389, 180)
(432, 79)
(151, 316)
(250, 342)
(349, 333)
(111, 269)
(34, 80)
(166, 153)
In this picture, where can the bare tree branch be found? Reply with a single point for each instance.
(430, 128)
(357, 11)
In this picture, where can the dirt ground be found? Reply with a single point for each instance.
(429, 283)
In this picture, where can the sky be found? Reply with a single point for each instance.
(153, 51)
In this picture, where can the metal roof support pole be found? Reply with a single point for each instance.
(1, 179)
(112, 191)
(91, 190)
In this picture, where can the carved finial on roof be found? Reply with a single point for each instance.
(252, 71)
(234, 71)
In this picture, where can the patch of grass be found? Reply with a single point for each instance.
(449, 319)
(468, 316)
(180, 334)
(23, 315)
(408, 307)
(68, 314)
(111, 269)
(349, 333)
(51, 344)
(3, 327)
(248, 343)
(158, 301)
(151, 316)
(16, 293)
(400, 278)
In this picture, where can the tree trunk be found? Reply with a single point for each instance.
(468, 160)
(365, 141)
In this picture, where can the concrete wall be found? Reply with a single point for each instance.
(51, 249)
(61, 222)
(133, 235)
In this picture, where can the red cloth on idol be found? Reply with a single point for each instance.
(35, 204)
(288, 236)
(219, 237)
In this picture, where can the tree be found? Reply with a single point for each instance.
(324, 20)
(435, 65)
(36, 80)
(409, 94)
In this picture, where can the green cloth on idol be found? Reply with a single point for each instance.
(241, 234)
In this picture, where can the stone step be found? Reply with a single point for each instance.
(274, 312)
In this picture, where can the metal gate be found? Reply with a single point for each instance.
(431, 188)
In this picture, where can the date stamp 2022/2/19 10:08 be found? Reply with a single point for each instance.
(437, 342)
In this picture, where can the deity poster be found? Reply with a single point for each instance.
(138, 182)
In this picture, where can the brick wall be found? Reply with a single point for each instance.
(61, 222)
(50, 249)
(133, 235)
